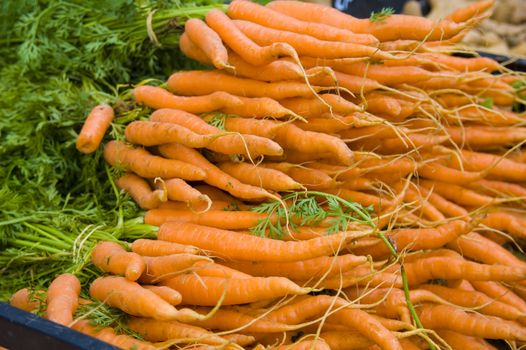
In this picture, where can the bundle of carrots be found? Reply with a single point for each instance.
(334, 183)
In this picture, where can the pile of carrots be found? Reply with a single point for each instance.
(304, 99)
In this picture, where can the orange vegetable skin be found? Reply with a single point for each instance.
(94, 128)
(111, 257)
(63, 299)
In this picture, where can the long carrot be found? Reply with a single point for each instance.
(268, 179)
(514, 225)
(458, 194)
(160, 268)
(109, 336)
(234, 245)
(208, 291)
(111, 257)
(229, 220)
(309, 178)
(148, 247)
(63, 299)
(147, 165)
(259, 127)
(313, 107)
(499, 292)
(208, 41)
(94, 128)
(461, 341)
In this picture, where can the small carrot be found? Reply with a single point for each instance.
(148, 247)
(208, 41)
(268, 179)
(451, 318)
(234, 245)
(480, 137)
(140, 191)
(465, 13)
(160, 268)
(206, 82)
(497, 166)
(208, 291)
(94, 128)
(179, 190)
(109, 336)
(147, 165)
(382, 104)
(111, 257)
(156, 97)
(386, 75)
(63, 299)
(27, 300)
(169, 295)
(135, 300)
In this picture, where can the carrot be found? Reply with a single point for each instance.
(439, 172)
(111, 257)
(364, 199)
(234, 245)
(451, 318)
(419, 238)
(458, 194)
(156, 97)
(207, 291)
(482, 249)
(240, 339)
(156, 330)
(332, 125)
(230, 220)
(354, 84)
(272, 19)
(258, 107)
(191, 50)
(313, 107)
(310, 178)
(228, 318)
(496, 165)
(359, 276)
(465, 13)
(94, 128)
(228, 144)
(381, 104)
(300, 270)
(259, 127)
(208, 41)
(161, 268)
(508, 222)
(318, 344)
(393, 27)
(268, 179)
(242, 45)
(63, 299)
(397, 145)
(216, 205)
(345, 340)
(148, 247)
(27, 300)
(292, 137)
(277, 70)
(447, 268)
(206, 82)
(427, 209)
(140, 191)
(459, 341)
(497, 291)
(203, 268)
(473, 299)
(215, 177)
(446, 207)
(135, 300)
(169, 295)
(501, 188)
(179, 190)
(385, 74)
(147, 165)
(478, 137)
(109, 336)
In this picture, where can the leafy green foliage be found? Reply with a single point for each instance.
(309, 208)
(488, 103)
(382, 15)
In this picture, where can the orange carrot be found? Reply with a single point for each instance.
(479, 137)
(277, 70)
(332, 125)
(140, 191)
(147, 165)
(317, 344)
(63, 299)
(499, 292)
(215, 177)
(345, 340)
(446, 207)
(135, 300)
(206, 82)
(259, 127)
(204, 268)
(268, 179)
(169, 295)
(111, 257)
(156, 97)
(354, 84)
(514, 225)
(242, 45)
(267, 17)
(207, 291)
(94, 128)
(147, 247)
(450, 318)
(465, 13)
(439, 172)
(313, 107)
(230, 220)
(461, 341)
(381, 104)
(310, 178)
(160, 268)
(386, 75)
(497, 166)
(500, 188)
(109, 336)
(458, 194)
(234, 245)
(191, 50)
(208, 41)
(427, 209)
(27, 300)
(179, 190)
(258, 107)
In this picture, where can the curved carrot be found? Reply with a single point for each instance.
(140, 191)
(385, 74)
(179, 190)
(160, 268)
(94, 128)
(147, 165)
(465, 13)
(242, 45)
(451, 318)
(206, 82)
(191, 50)
(63, 299)
(208, 291)
(111, 257)
(148, 247)
(169, 295)
(109, 336)
(269, 179)
(208, 41)
(234, 245)
(497, 166)
(267, 17)
(156, 97)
